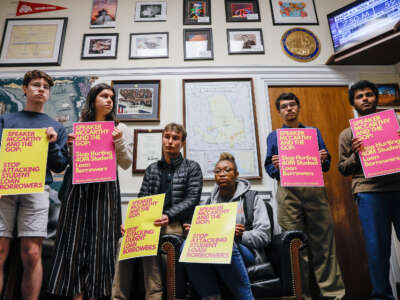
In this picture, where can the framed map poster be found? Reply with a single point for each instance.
(33, 42)
(219, 116)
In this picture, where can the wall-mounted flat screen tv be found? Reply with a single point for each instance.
(362, 20)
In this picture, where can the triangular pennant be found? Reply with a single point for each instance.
(27, 8)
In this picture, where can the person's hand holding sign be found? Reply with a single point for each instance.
(51, 134)
(163, 221)
(323, 154)
(356, 144)
(275, 161)
(116, 134)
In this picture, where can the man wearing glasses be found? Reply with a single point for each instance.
(307, 209)
(377, 197)
(30, 211)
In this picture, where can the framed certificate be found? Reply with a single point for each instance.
(148, 148)
(33, 42)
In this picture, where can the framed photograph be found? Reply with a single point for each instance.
(99, 45)
(151, 11)
(33, 42)
(147, 149)
(103, 14)
(388, 94)
(245, 41)
(293, 12)
(196, 12)
(242, 11)
(198, 44)
(137, 100)
(220, 116)
(148, 45)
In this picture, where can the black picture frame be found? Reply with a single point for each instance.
(99, 46)
(389, 95)
(149, 47)
(137, 100)
(242, 11)
(191, 17)
(193, 44)
(22, 56)
(254, 43)
(302, 15)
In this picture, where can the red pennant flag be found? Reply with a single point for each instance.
(27, 8)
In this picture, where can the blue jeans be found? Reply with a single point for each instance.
(378, 211)
(204, 276)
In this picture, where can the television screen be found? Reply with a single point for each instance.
(361, 21)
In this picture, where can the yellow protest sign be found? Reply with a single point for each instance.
(141, 236)
(211, 234)
(23, 161)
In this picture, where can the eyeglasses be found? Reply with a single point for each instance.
(225, 171)
(38, 85)
(285, 106)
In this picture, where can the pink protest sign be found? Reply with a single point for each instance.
(94, 153)
(299, 161)
(380, 154)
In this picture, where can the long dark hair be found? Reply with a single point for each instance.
(89, 111)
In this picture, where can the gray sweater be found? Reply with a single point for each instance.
(259, 236)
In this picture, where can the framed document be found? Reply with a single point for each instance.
(293, 12)
(148, 45)
(219, 116)
(99, 45)
(196, 12)
(151, 11)
(147, 149)
(137, 100)
(33, 42)
(198, 44)
(245, 41)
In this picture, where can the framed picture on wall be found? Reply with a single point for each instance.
(219, 116)
(99, 45)
(148, 45)
(293, 12)
(196, 12)
(33, 42)
(103, 14)
(388, 94)
(242, 11)
(137, 100)
(151, 11)
(245, 41)
(198, 44)
(147, 148)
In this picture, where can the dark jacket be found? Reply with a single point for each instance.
(187, 183)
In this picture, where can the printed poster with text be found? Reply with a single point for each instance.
(210, 239)
(94, 153)
(299, 160)
(19, 172)
(141, 236)
(380, 154)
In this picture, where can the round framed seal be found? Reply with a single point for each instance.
(300, 44)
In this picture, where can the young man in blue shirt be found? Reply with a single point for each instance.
(30, 211)
(307, 209)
